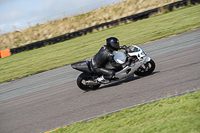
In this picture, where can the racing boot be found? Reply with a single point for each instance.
(102, 80)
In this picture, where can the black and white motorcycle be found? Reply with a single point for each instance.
(140, 65)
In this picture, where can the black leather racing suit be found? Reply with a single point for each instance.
(99, 61)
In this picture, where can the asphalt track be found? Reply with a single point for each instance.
(51, 99)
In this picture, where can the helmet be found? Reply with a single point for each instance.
(113, 43)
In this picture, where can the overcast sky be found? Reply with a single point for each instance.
(19, 12)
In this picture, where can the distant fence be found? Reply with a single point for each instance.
(134, 17)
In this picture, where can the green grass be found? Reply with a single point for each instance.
(171, 115)
(81, 48)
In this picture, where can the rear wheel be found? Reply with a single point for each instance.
(81, 82)
(149, 68)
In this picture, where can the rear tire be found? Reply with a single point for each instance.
(150, 66)
(81, 82)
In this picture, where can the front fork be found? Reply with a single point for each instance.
(147, 59)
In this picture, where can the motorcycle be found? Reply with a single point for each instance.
(140, 65)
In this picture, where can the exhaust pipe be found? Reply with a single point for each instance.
(90, 82)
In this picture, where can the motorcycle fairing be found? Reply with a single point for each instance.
(129, 70)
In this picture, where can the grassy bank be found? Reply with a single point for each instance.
(81, 48)
(171, 115)
(77, 22)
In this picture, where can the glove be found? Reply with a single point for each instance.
(123, 47)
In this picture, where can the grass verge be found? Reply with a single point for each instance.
(171, 115)
(49, 57)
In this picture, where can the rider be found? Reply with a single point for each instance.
(104, 56)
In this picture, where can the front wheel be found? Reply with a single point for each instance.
(81, 82)
(149, 68)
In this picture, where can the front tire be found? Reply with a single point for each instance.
(149, 68)
(82, 78)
